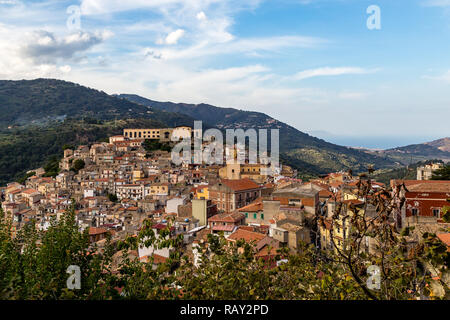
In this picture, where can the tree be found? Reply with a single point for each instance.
(25, 177)
(52, 167)
(442, 174)
(446, 214)
(77, 165)
(67, 146)
(112, 197)
(33, 263)
(153, 145)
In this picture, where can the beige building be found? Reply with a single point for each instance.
(163, 135)
(426, 172)
(202, 210)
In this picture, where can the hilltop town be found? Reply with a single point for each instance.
(115, 186)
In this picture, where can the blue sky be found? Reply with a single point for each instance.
(313, 64)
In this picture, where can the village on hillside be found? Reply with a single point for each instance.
(121, 184)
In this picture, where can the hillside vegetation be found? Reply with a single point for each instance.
(28, 148)
(39, 116)
(309, 154)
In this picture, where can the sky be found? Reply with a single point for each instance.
(313, 64)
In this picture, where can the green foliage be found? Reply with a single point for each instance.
(112, 197)
(40, 101)
(25, 177)
(28, 148)
(52, 167)
(446, 214)
(40, 116)
(442, 174)
(68, 146)
(308, 154)
(33, 264)
(154, 145)
(77, 165)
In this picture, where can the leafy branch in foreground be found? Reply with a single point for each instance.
(33, 263)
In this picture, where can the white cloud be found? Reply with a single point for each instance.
(445, 77)
(26, 53)
(45, 47)
(96, 7)
(201, 16)
(9, 2)
(327, 71)
(173, 37)
(249, 46)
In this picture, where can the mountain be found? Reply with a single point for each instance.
(36, 102)
(39, 116)
(30, 147)
(438, 149)
(441, 144)
(310, 154)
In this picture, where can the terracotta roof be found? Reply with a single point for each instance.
(255, 206)
(267, 251)
(157, 259)
(227, 217)
(30, 191)
(413, 182)
(240, 185)
(227, 227)
(325, 193)
(445, 238)
(95, 231)
(247, 236)
(430, 187)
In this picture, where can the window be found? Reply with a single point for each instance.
(414, 212)
(262, 216)
(436, 212)
(246, 214)
(254, 216)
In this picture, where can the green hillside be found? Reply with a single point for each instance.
(37, 102)
(23, 149)
(306, 153)
(39, 116)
